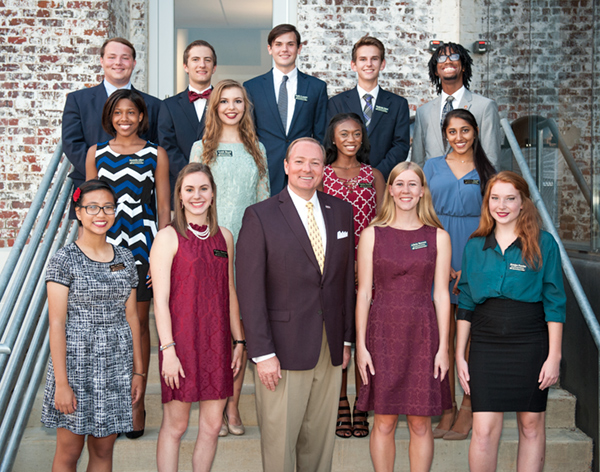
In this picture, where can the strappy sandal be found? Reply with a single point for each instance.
(343, 427)
(360, 427)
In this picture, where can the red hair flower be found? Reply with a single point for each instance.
(76, 195)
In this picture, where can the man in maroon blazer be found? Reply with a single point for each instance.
(295, 282)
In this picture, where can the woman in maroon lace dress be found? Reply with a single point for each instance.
(197, 312)
(402, 338)
(349, 176)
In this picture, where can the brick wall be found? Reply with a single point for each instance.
(48, 49)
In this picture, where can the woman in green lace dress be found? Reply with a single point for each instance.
(238, 163)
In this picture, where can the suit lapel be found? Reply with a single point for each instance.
(354, 104)
(302, 90)
(434, 120)
(466, 101)
(269, 91)
(189, 109)
(383, 100)
(287, 207)
(328, 216)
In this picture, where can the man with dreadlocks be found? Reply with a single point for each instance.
(450, 72)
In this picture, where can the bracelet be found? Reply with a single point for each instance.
(241, 341)
(167, 346)
(141, 375)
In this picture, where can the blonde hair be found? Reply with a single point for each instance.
(180, 222)
(425, 210)
(214, 127)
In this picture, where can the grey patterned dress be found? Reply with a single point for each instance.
(99, 343)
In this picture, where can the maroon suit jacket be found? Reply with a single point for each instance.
(283, 297)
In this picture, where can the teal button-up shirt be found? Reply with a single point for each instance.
(487, 273)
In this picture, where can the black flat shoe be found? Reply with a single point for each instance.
(136, 434)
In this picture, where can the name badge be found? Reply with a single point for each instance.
(471, 181)
(365, 185)
(519, 267)
(117, 267)
(136, 161)
(419, 245)
(219, 253)
(224, 153)
(302, 98)
(381, 109)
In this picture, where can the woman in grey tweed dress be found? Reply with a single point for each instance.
(95, 372)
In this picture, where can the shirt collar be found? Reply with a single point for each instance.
(110, 88)
(199, 91)
(373, 93)
(458, 95)
(299, 201)
(491, 243)
(278, 75)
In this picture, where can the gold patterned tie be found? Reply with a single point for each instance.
(315, 236)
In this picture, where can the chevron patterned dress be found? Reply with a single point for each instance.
(132, 178)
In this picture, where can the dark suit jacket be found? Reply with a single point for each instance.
(82, 125)
(309, 120)
(178, 130)
(389, 132)
(283, 297)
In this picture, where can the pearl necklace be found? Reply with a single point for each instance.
(200, 234)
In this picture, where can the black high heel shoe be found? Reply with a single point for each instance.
(137, 434)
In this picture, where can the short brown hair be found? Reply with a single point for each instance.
(111, 104)
(118, 40)
(283, 29)
(367, 40)
(310, 140)
(198, 42)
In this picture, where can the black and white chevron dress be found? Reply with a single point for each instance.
(132, 178)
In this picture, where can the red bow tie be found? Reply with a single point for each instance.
(193, 96)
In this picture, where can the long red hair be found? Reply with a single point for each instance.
(528, 221)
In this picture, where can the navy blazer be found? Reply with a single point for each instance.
(389, 131)
(309, 120)
(284, 298)
(82, 125)
(178, 130)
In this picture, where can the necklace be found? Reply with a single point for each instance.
(200, 234)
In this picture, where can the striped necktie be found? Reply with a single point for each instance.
(447, 107)
(368, 110)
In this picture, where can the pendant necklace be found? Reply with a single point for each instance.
(200, 234)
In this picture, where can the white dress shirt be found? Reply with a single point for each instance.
(110, 88)
(200, 104)
(292, 88)
(361, 93)
(458, 95)
(300, 204)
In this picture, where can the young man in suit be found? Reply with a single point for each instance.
(295, 284)
(181, 118)
(385, 114)
(287, 103)
(82, 116)
(450, 72)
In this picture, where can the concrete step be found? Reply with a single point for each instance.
(566, 451)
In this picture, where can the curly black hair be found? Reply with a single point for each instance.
(465, 60)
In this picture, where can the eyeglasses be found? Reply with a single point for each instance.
(95, 209)
(453, 57)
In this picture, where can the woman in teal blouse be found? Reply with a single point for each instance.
(512, 302)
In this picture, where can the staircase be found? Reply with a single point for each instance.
(568, 449)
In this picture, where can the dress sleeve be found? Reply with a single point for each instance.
(262, 189)
(466, 305)
(59, 269)
(129, 261)
(553, 290)
(196, 152)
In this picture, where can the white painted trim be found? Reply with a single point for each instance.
(161, 48)
(285, 11)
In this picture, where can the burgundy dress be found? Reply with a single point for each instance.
(402, 331)
(199, 305)
(359, 192)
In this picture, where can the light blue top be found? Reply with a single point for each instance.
(238, 182)
(457, 203)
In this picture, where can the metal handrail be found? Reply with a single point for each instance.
(582, 301)
(23, 310)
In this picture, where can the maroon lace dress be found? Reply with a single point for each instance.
(359, 191)
(199, 305)
(402, 331)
